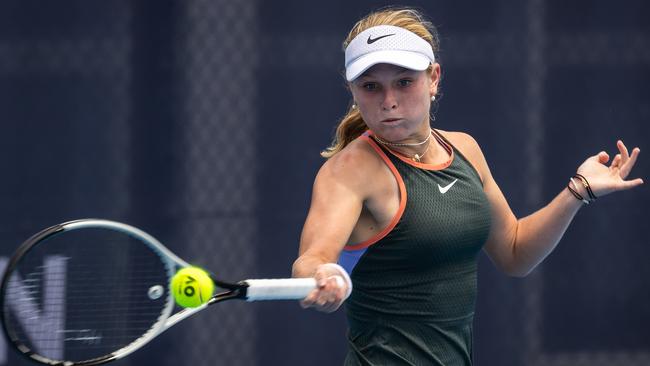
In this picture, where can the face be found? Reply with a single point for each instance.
(395, 101)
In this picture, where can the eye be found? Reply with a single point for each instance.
(404, 82)
(369, 86)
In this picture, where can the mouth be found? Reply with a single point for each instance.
(391, 120)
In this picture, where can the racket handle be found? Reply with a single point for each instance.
(279, 289)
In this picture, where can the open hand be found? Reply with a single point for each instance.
(605, 179)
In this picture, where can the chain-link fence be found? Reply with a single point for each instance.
(218, 63)
(200, 121)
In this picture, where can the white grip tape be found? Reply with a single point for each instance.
(279, 289)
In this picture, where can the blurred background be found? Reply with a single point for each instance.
(201, 122)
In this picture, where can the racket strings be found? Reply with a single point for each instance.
(87, 294)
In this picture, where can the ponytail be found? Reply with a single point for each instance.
(351, 127)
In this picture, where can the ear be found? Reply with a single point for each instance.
(435, 79)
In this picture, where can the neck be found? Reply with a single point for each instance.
(414, 151)
(419, 142)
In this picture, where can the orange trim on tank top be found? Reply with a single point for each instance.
(410, 161)
(402, 201)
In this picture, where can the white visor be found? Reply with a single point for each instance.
(386, 44)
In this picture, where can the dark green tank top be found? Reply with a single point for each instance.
(415, 282)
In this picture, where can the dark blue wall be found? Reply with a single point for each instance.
(93, 114)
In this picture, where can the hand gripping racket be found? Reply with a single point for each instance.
(91, 291)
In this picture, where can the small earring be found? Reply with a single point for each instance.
(354, 106)
(433, 98)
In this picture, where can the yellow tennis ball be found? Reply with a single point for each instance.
(191, 287)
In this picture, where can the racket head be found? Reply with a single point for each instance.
(86, 292)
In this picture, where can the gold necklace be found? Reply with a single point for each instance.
(416, 157)
(388, 143)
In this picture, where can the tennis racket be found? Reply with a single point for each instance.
(91, 291)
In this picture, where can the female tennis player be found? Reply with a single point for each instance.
(405, 208)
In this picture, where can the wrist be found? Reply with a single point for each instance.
(579, 187)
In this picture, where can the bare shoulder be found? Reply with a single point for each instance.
(470, 148)
(354, 166)
(462, 141)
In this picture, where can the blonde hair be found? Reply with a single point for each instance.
(352, 124)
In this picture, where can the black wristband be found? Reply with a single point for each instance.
(585, 183)
(576, 194)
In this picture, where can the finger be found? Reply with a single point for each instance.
(305, 304)
(328, 308)
(333, 302)
(616, 161)
(333, 298)
(626, 167)
(337, 286)
(309, 300)
(321, 301)
(327, 305)
(602, 157)
(321, 279)
(327, 294)
(330, 295)
(629, 184)
(623, 149)
(331, 308)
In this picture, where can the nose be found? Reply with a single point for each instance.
(389, 100)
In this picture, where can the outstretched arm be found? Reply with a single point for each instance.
(334, 210)
(339, 192)
(518, 246)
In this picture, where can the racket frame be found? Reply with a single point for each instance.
(166, 319)
(170, 260)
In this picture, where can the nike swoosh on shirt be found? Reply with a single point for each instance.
(444, 189)
(371, 41)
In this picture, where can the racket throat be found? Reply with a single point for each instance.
(235, 291)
